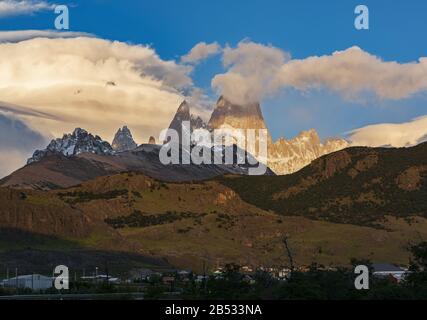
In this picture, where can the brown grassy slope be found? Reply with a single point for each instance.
(229, 230)
(355, 186)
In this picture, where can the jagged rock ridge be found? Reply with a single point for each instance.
(123, 140)
(183, 114)
(288, 156)
(284, 156)
(71, 144)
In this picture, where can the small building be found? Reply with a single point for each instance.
(284, 273)
(247, 269)
(101, 278)
(201, 278)
(184, 275)
(386, 270)
(142, 274)
(154, 276)
(218, 272)
(32, 281)
(168, 280)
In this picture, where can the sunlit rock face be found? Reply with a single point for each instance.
(284, 156)
(123, 140)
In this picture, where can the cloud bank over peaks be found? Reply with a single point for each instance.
(353, 72)
(405, 134)
(256, 71)
(252, 69)
(92, 83)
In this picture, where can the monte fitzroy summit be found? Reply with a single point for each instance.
(284, 156)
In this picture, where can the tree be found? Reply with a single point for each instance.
(417, 278)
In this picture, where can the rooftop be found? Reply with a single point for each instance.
(386, 267)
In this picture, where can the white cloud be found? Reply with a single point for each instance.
(201, 51)
(21, 35)
(353, 71)
(391, 134)
(256, 71)
(251, 72)
(91, 83)
(201, 104)
(23, 7)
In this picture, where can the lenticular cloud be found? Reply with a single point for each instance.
(93, 83)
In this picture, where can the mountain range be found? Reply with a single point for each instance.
(82, 197)
(56, 170)
(355, 203)
(80, 141)
(81, 156)
(284, 156)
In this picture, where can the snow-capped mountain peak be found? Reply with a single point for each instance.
(71, 144)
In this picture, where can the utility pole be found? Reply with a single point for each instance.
(205, 282)
(291, 260)
(106, 271)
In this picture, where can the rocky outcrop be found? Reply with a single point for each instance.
(75, 143)
(123, 140)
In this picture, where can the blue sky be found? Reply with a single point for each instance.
(303, 28)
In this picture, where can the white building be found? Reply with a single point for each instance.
(32, 281)
(101, 278)
(384, 270)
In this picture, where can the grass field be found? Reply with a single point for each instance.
(217, 226)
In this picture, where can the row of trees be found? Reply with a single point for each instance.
(317, 283)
